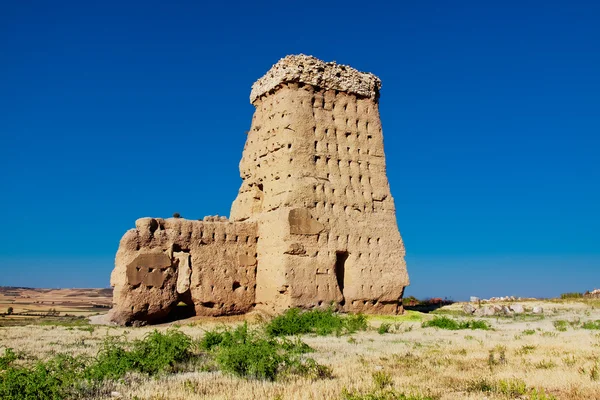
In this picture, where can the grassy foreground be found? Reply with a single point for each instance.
(334, 357)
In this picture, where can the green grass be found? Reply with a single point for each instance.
(320, 322)
(452, 324)
(407, 316)
(66, 321)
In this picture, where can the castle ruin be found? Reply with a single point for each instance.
(314, 222)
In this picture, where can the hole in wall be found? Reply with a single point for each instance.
(340, 269)
(182, 310)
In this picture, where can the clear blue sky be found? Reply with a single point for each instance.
(111, 111)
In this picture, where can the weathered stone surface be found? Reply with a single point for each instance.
(323, 75)
(537, 310)
(184, 272)
(485, 311)
(517, 308)
(469, 308)
(505, 310)
(302, 223)
(313, 223)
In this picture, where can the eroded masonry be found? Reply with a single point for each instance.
(313, 224)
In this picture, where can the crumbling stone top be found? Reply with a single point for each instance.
(312, 71)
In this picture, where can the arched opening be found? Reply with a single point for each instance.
(182, 310)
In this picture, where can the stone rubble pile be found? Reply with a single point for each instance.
(497, 309)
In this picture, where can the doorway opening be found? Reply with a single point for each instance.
(340, 269)
(183, 309)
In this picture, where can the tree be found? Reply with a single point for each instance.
(9, 311)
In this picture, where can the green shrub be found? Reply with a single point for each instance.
(545, 364)
(57, 378)
(560, 325)
(68, 377)
(321, 322)
(512, 388)
(382, 379)
(161, 351)
(384, 328)
(251, 354)
(573, 295)
(157, 352)
(389, 394)
(526, 349)
(240, 351)
(259, 358)
(451, 324)
(529, 332)
(8, 357)
(591, 325)
(480, 385)
(540, 394)
(474, 324)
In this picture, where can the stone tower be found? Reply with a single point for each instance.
(314, 179)
(313, 224)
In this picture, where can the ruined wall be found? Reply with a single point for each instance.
(314, 177)
(313, 224)
(210, 264)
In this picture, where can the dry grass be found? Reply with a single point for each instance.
(516, 357)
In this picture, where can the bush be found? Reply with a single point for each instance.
(451, 324)
(9, 310)
(382, 379)
(240, 351)
(511, 388)
(67, 377)
(7, 359)
(176, 215)
(320, 322)
(384, 328)
(157, 352)
(573, 295)
(560, 325)
(389, 394)
(251, 354)
(57, 378)
(591, 325)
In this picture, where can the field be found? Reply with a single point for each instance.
(31, 306)
(551, 356)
